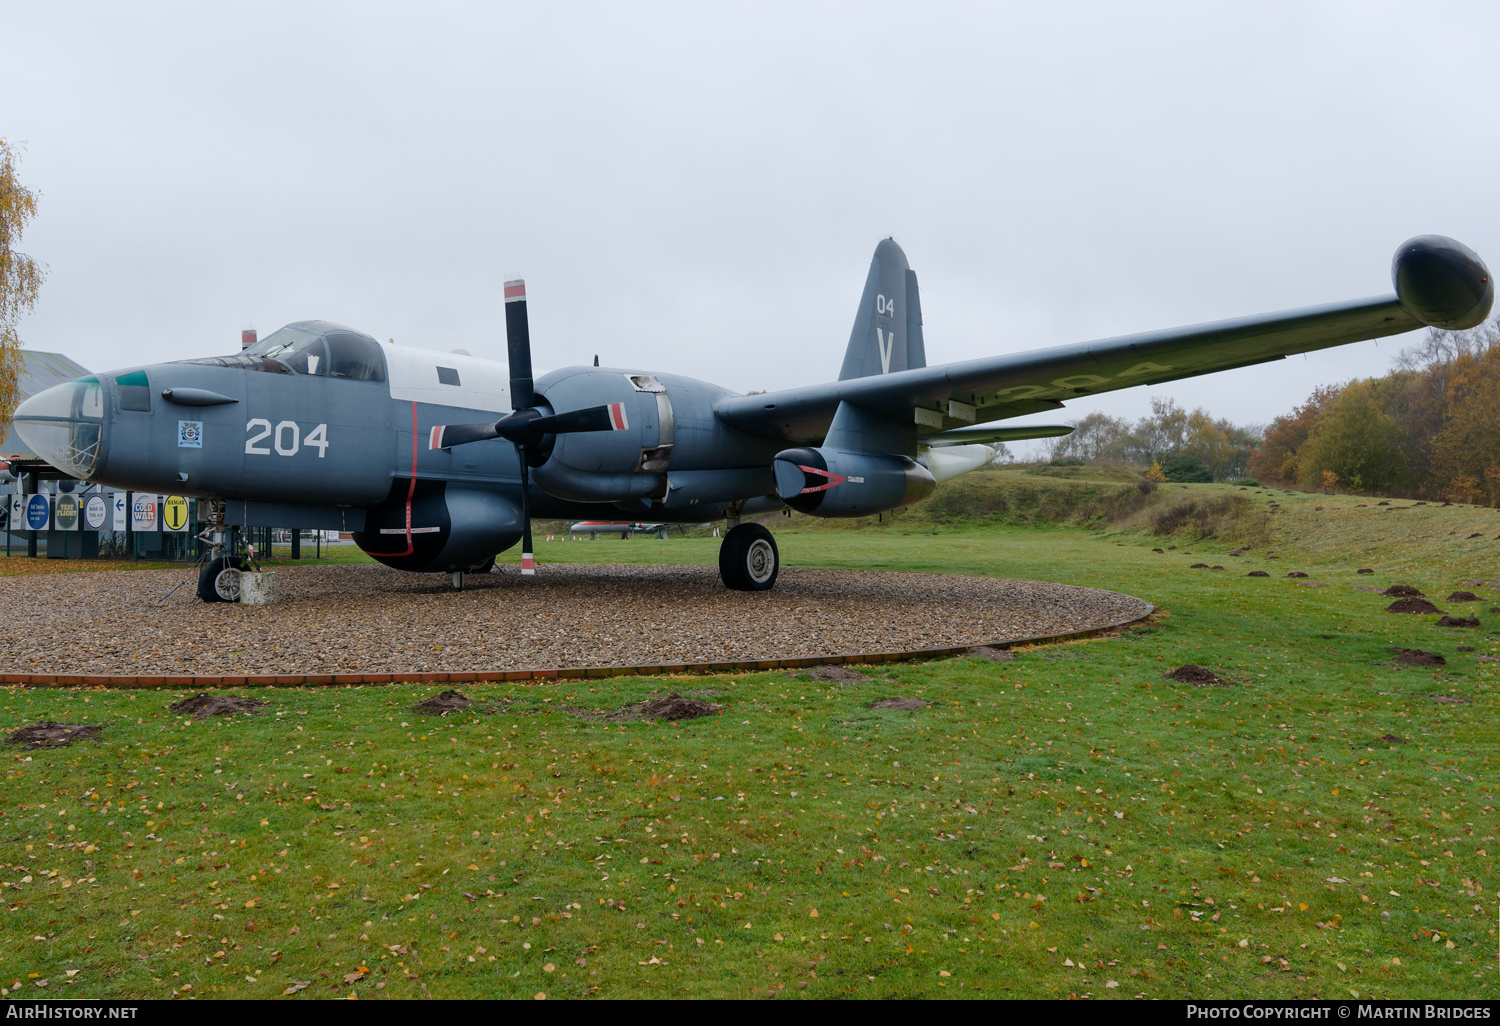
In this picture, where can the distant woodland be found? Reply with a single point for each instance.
(1429, 429)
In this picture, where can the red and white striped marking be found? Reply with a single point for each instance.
(435, 441)
(515, 291)
(528, 563)
(617, 416)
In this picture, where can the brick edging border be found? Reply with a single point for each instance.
(144, 680)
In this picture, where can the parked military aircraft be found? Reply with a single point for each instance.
(436, 462)
(624, 528)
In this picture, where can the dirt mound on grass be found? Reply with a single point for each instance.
(1411, 605)
(444, 703)
(1392, 739)
(999, 655)
(900, 703)
(1401, 591)
(1365, 570)
(54, 735)
(203, 705)
(840, 675)
(676, 707)
(1459, 621)
(1296, 573)
(1463, 596)
(1257, 573)
(1416, 657)
(1198, 676)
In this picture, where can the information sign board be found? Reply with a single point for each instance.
(174, 513)
(95, 512)
(38, 512)
(119, 511)
(144, 509)
(65, 516)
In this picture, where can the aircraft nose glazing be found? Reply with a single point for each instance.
(64, 425)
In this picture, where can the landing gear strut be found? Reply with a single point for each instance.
(748, 560)
(219, 580)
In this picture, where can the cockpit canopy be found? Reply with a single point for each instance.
(317, 348)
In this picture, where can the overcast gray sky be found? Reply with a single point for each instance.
(698, 188)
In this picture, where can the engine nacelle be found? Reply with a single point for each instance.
(451, 528)
(833, 483)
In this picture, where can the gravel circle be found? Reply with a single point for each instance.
(371, 619)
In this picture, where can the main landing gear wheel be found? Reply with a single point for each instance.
(219, 581)
(748, 560)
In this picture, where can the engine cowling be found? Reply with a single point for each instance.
(834, 483)
(452, 528)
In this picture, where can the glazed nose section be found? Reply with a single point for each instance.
(65, 425)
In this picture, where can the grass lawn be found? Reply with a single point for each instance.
(1067, 823)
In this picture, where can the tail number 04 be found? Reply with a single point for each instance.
(286, 436)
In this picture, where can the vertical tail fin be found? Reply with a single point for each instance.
(887, 333)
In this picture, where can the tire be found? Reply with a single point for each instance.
(219, 581)
(748, 559)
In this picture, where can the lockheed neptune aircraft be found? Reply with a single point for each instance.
(436, 462)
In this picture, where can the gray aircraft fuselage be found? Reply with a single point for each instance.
(347, 443)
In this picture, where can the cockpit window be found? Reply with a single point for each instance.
(317, 348)
(354, 356)
(300, 350)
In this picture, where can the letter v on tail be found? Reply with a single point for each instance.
(885, 343)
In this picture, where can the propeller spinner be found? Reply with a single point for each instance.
(526, 426)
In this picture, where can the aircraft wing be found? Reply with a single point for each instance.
(954, 395)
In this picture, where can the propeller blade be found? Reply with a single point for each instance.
(445, 435)
(518, 346)
(526, 427)
(528, 561)
(593, 418)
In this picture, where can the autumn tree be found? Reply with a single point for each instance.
(20, 276)
(1096, 438)
(1466, 450)
(1358, 441)
(1276, 459)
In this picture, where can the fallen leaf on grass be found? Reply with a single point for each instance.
(296, 986)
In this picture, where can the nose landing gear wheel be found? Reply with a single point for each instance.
(219, 581)
(748, 560)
